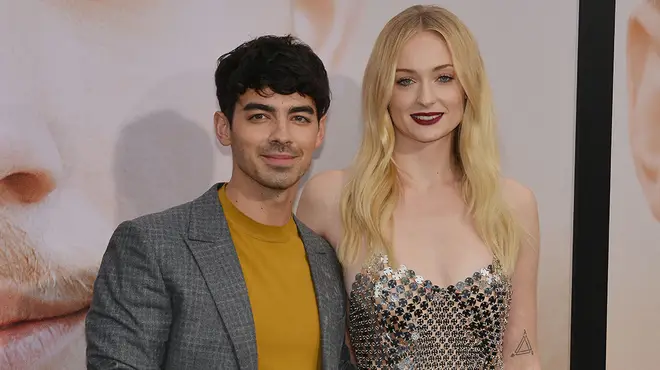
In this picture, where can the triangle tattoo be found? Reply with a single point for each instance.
(524, 347)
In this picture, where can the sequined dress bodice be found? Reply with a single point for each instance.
(399, 320)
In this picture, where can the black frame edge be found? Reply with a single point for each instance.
(591, 212)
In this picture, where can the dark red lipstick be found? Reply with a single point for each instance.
(427, 118)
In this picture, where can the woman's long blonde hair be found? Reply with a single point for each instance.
(372, 192)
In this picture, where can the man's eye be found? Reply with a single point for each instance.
(301, 119)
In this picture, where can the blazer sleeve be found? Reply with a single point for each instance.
(345, 360)
(128, 323)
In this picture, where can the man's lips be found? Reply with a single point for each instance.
(18, 307)
(32, 327)
(24, 344)
(279, 158)
(26, 328)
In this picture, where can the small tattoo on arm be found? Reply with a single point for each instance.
(524, 347)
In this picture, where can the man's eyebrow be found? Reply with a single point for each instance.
(302, 109)
(258, 106)
(271, 109)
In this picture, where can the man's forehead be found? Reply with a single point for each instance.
(275, 100)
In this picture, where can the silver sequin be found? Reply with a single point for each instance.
(399, 320)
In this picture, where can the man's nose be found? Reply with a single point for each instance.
(30, 163)
(281, 131)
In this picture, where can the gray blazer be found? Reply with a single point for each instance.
(170, 294)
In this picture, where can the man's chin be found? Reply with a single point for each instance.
(648, 176)
(70, 357)
(651, 190)
(278, 186)
(279, 180)
(654, 204)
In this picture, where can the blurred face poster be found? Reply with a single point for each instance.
(633, 327)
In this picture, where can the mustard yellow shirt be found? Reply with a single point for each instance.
(280, 289)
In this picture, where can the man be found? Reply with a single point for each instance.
(231, 280)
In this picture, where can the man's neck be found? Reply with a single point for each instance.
(263, 205)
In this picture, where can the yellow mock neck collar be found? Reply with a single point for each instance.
(257, 230)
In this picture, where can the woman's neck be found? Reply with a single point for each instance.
(425, 165)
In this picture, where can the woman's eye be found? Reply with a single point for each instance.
(445, 79)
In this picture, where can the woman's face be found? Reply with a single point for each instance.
(427, 99)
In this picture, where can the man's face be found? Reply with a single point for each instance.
(51, 240)
(643, 54)
(272, 136)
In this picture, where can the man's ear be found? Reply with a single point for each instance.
(643, 27)
(222, 128)
(643, 36)
(320, 136)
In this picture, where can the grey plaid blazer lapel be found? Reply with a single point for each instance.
(211, 244)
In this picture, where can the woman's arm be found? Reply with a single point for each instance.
(318, 206)
(520, 337)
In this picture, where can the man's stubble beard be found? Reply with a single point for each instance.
(24, 270)
(23, 264)
(280, 180)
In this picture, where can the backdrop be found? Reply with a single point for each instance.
(633, 329)
(106, 114)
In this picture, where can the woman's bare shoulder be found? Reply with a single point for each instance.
(518, 196)
(318, 206)
(523, 203)
(324, 188)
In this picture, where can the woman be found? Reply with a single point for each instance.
(440, 252)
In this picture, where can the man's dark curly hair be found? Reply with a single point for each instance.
(283, 64)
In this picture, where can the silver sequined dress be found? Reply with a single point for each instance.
(399, 320)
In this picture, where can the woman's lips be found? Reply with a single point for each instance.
(427, 118)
